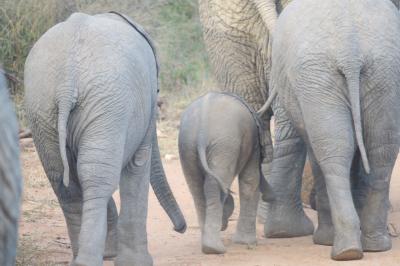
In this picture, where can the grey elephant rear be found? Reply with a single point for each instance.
(336, 66)
(91, 90)
(220, 138)
(10, 178)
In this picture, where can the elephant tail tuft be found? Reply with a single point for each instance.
(353, 84)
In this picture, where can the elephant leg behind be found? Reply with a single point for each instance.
(194, 177)
(46, 141)
(381, 131)
(285, 216)
(324, 234)
(221, 166)
(333, 147)
(70, 198)
(99, 161)
(249, 182)
(134, 189)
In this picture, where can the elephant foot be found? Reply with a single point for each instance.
(282, 221)
(229, 206)
(138, 259)
(376, 243)
(347, 247)
(82, 260)
(324, 235)
(348, 254)
(212, 244)
(243, 238)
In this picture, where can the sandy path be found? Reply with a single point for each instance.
(43, 227)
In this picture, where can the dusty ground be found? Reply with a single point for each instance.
(44, 240)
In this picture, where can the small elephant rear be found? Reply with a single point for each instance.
(218, 140)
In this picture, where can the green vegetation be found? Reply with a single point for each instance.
(22, 22)
(173, 24)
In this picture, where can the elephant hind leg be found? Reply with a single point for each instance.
(382, 154)
(70, 198)
(324, 233)
(381, 119)
(249, 184)
(285, 216)
(99, 170)
(134, 189)
(195, 181)
(229, 206)
(333, 148)
(215, 204)
(211, 237)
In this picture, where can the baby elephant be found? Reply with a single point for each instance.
(219, 138)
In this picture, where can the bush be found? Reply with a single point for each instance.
(22, 22)
(173, 24)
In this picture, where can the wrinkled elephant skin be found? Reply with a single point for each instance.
(91, 92)
(336, 68)
(218, 140)
(10, 178)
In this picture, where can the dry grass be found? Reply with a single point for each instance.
(40, 211)
(173, 24)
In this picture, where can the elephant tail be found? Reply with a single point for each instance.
(65, 106)
(268, 103)
(353, 84)
(202, 142)
(163, 191)
(207, 170)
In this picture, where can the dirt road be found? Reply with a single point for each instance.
(44, 239)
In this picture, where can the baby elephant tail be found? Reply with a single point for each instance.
(64, 108)
(268, 103)
(208, 171)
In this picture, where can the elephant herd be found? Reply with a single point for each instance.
(327, 71)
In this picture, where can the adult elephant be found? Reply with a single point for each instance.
(91, 92)
(10, 178)
(237, 35)
(339, 85)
